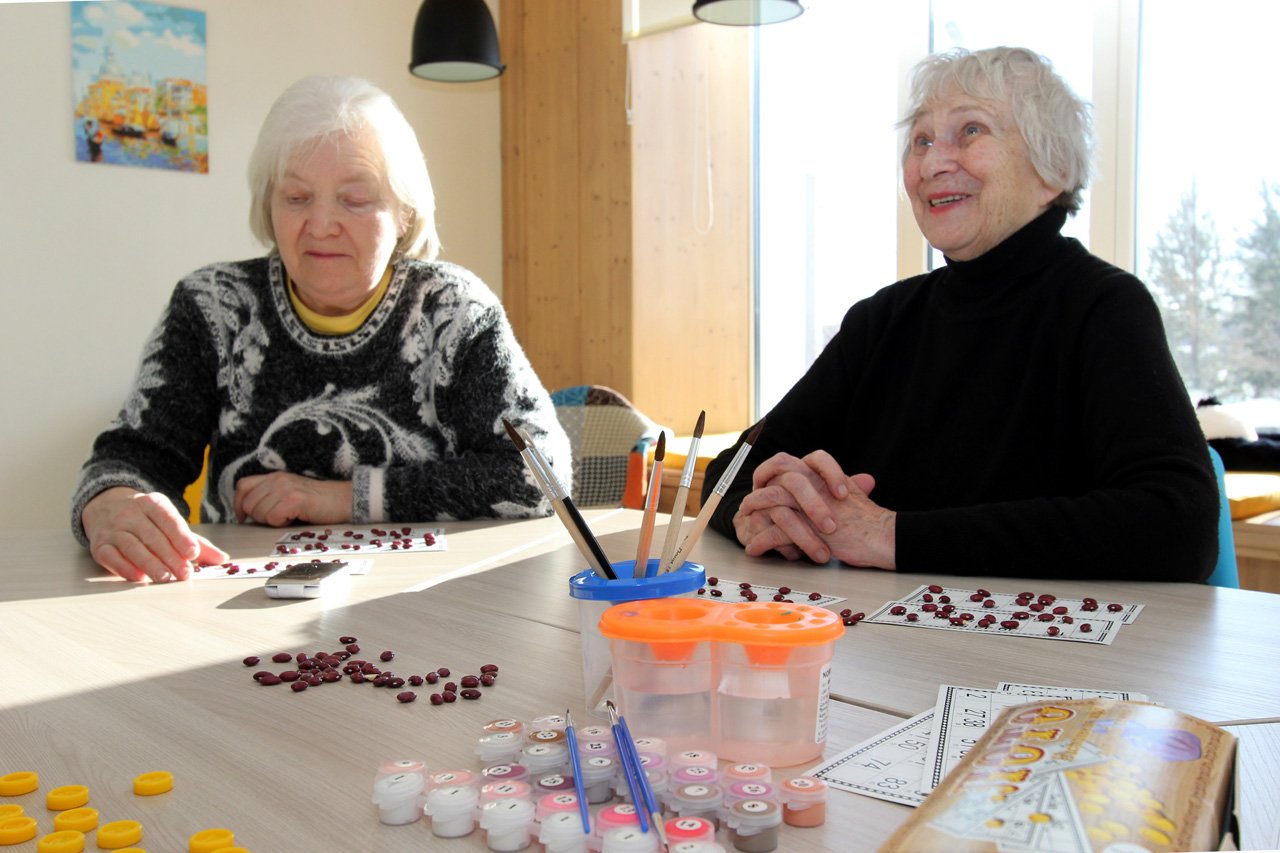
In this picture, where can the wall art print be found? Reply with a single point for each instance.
(140, 96)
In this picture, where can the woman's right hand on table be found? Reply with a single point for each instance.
(142, 536)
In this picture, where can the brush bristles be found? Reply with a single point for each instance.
(515, 436)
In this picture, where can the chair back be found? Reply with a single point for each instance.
(1225, 573)
(610, 440)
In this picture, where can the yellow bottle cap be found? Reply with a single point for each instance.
(19, 783)
(131, 850)
(83, 819)
(67, 797)
(15, 830)
(9, 810)
(62, 841)
(209, 840)
(232, 850)
(155, 782)
(119, 834)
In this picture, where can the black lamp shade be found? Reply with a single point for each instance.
(455, 41)
(746, 12)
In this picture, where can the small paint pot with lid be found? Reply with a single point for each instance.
(804, 801)
(508, 824)
(562, 832)
(452, 809)
(681, 829)
(753, 825)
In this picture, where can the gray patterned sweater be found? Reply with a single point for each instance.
(409, 407)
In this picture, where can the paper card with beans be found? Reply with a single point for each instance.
(1039, 615)
(265, 567)
(367, 539)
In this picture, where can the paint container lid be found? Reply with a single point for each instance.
(506, 725)
(698, 847)
(629, 839)
(691, 828)
(558, 801)
(544, 757)
(398, 765)
(511, 772)
(499, 748)
(696, 798)
(589, 586)
(748, 817)
(652, 761)
(451, 801)
(597, 768)
(505, 790)
(552, 783)
(603, 733)
(61, 841)
(546, 736)
(748, 772)
(562, 831)
(803, 791)
(549, 721)
(452, 778)
(18, 783)
(507, 815)
(697, 773)
(750, 790)
(611, 817)
(692, 758)
(208, 840)
(398, 789)
(651, 744)
(15, 830)
(587, 748)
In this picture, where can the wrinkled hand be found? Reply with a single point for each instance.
(810, 508)
(280, 498)
(141, 536)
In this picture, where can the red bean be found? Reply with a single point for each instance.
(432, 677)
(944, 599)
(785, 590)
(489, 667)
(416, 680)
(990, 602)
(268, 678)
(345, 640)
(282, 657)
(933, 587)
(715, 593)
(470, 693)
(1086, 628)
(488, 678)
(702, 590)
(358, 678)
(298, 686)
(1115, 608)
(1053, 630)
(713, 581)
(751, 596)
(451, 687)
(1059, 610)
(744, 585)
(290, 675)
(1045, 617)
(386, 656)
(469, 681)
(1010, 624)
(443, 672)
(913, 617)
(982, 592)
(928, 608)
(436, 699)
(449, 696)
(257, 676)
(252, 660)
(331, 677)
(926, 597)
(353, 648)
(777, 596)
(814, 596)
(407, 696)
(395, 682)
(897, 610)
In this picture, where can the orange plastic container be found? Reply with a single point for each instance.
(749, 680)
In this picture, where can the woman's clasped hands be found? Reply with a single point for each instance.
(809, 508)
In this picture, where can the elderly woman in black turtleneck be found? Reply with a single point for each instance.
(1014, 413)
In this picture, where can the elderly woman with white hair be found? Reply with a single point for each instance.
(345, 377)
(1013, 413)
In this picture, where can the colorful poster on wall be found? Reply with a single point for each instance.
(140, 96)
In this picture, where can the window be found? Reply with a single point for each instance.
(1197, 217)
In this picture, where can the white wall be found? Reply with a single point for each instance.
(90, 252)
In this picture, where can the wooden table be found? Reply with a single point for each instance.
(108, 680)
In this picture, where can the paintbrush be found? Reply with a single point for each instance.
(713, 499)
(575, 762)
(555, 492)
(641, 568)
(641, 790)
(682, 496)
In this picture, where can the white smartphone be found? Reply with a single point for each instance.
(306, 580)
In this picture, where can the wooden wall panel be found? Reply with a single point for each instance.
(668, 324)
(692, 225)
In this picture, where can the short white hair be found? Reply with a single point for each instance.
(315, 108)
(1054, 122)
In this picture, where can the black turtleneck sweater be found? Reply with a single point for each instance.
(1021, 414)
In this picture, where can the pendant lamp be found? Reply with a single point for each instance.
(744, 13)
(455, 41)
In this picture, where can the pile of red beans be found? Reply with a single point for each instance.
(321, 668)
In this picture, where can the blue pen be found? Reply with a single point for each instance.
(650, 802)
